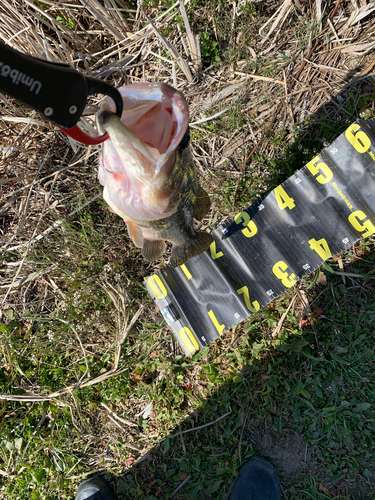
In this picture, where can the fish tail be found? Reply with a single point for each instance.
(197, 245)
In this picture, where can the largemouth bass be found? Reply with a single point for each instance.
(148, 173)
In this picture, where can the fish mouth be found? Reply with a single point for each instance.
(153, 123)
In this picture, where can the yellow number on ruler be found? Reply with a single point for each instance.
(279, 270)
(249, 225)
(157, 287)
(367, 226)
(219, 328)
(283, 199)
(188, 340)
(253, 307)
(321, 248)
(214, 254)
(357, 138)
(326, 173)
(186, 271)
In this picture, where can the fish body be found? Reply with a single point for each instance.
(148, 173)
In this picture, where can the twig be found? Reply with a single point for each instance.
(202, 426)
(368, 69)
(220, 112)
(281, 13)
(241, 171)
(29, 277)
(258, 77)
(277, 330)
(334, 297)
(190, 37)
(182, 440)
(35, 229)
(333, 29)
(243, 427)
(352, 275)
(123, 420)
(60, 392)
(329, 68)
(180, 486)
(80, 343)
(172, 50)
(131, 446)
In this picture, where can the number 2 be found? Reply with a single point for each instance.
(252, 306)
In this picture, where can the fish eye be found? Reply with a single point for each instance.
(185, 140)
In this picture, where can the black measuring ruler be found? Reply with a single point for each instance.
(318, 212)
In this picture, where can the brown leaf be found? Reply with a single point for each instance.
(322, 280)
(323, 489)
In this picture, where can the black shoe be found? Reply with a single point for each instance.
(256, 480)
(94, 488)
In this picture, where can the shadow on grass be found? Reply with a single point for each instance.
(304, 401)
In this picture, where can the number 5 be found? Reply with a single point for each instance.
(355, 220)
(326, 173)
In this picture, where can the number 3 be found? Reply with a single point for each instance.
(249, 225)
(279, 270)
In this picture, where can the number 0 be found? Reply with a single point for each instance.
(157, 287)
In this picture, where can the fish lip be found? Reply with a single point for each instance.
(166, 131)
(122, 136)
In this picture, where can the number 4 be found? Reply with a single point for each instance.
(283, 199)
(321, 248)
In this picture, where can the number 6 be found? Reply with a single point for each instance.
(360, 141)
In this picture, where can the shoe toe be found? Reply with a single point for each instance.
(94, 488)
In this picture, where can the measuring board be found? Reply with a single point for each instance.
(318, 212)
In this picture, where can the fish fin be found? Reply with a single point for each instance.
(135, 233)
(153, 249)
(196, 246)
(202, 204)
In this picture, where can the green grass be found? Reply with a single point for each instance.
(306, 400)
